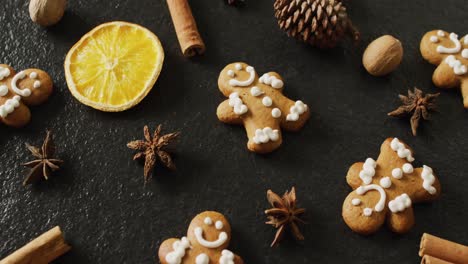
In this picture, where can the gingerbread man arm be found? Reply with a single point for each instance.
(166, 248)
(352, 178)
(226, 114)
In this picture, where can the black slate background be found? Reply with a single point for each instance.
(109, 216)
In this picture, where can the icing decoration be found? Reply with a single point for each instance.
(400, 203)
(386, 182)
(265, 135)
(249, 69)
(231, 73)
(33, 75)
(208, 221)
(454, 38)
(441, 33)
(238, 66)
(465, 39)
(464, 53)
(219, 225)
(367, 211)
(4, 72)
(36, 84)
(222, 238)
(368, 171)
(429, 179)
(356, 201)
(381, 203)
(227, 257)
(14, 82)
(271, 80)
(9, 106)
(255, 91)
(276, 112)
(456, 65)
(237, 104)
(434, 39)
(407, 168)
(401, 150)
(296, 110)
(202, 259)
(179, 246)
(397, 173)
(3, 90)
(266, 101)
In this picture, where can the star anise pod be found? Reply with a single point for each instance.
(154, 149)
(284, 214)
(45, 163)
(417, 105)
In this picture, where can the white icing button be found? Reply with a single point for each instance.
(440, 33)
(275, 112)
(3, 90)
(33, 75)
(255, 91)
(434, 39)
(238, 66)
(465, 53)
(397, 173)
(208, 221)
(367, 211)
(219, 225)
(356, 201)
(37, 84)
(407, 168)
(386, 182)
(202, 259)
(231, 73)
(266, 101)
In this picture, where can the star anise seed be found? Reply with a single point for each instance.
(44, 164)
(154, 149)
(417, 105)
(284, 214)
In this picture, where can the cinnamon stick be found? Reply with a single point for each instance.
(443, 249)
(41, 250)
(185, 26)
(426, 259)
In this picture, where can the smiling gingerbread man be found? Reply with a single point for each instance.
(206, 242)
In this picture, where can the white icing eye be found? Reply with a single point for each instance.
(434, 39)
(33, 75)
(356, 201)
(238, 66)
(208, 221)
(440, 33)
(3, 90)
(231, 73)
(37, 84)
(219, 225)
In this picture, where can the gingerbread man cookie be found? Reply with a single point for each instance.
(451, 55)
(384, 190)
(258, 104)
(207, 238)
(18, 91)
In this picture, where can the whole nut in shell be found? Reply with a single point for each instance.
(47, 12)
(383, 55)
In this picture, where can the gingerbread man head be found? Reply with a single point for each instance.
(258, 104)
(20, 90)
(206, 242)
(451, 55)
(386, 189)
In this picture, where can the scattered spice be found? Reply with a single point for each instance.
(154, 149)
(417, 105)
(283, 214)
(235, 2)
(45, 163)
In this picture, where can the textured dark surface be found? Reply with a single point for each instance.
(109, 216)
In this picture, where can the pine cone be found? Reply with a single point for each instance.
(321, 23)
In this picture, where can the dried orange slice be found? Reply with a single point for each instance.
(114, 66)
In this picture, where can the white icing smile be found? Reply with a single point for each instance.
(235, 82)
(222, 238)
